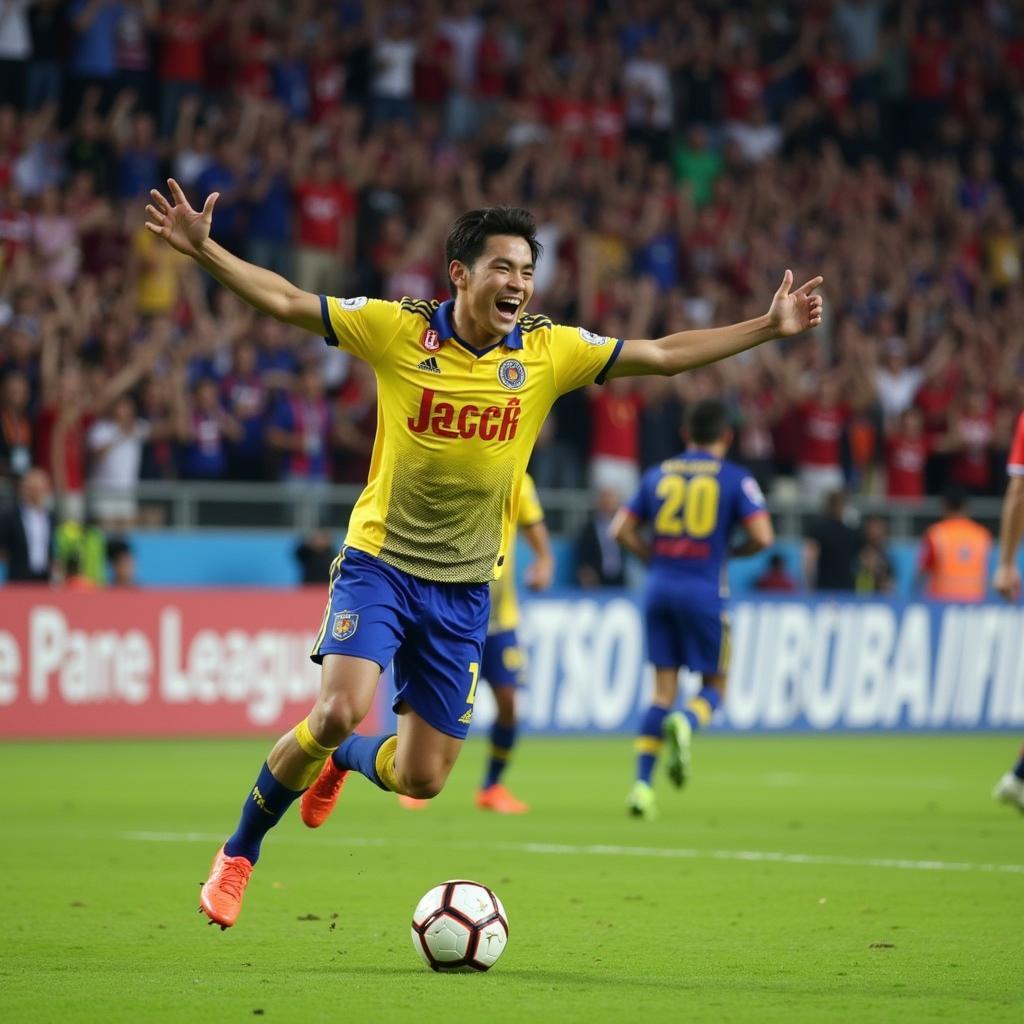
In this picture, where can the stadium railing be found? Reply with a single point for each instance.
(302, 506)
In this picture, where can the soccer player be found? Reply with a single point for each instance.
(502, 664)
(1010, 788)
(464, 387)
(691, 503)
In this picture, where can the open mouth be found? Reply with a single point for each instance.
(508, 309)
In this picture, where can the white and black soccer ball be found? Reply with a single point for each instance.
(460, 926)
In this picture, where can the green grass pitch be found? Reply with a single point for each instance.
(796, 879)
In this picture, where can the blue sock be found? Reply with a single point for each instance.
(699, 709)
(648, 742)
(359, 754)
(262, 810)
(503, 738)
(1018, 769)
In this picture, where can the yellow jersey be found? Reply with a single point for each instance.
(504, 597)
(455, 429)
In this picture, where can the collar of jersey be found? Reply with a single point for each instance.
(441, 321)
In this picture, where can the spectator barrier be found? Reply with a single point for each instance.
(798, 664)
(266, 558)
(152, 663)
(231, 662)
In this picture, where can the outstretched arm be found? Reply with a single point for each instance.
(791, 312)
(188, 231)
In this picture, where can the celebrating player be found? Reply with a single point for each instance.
(692, 502)
(464, 387)
(1010, 788)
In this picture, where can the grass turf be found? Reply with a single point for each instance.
(695, 916)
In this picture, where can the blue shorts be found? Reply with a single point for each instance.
(433, 633)
(503, 659)
(685, 632)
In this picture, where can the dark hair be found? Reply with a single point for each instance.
(954, 498)
(707, 422)
(468, 237)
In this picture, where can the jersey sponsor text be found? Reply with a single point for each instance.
(490, 423)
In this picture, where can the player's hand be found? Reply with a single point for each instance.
(1007, 582)
(179, 225)
(794, 312)
(539, 574)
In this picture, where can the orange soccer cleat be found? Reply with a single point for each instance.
(318, 801)
(498, 799)
(220, 899)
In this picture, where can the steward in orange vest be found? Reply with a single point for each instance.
(954, 555)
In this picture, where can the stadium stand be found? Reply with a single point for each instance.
(677, 155)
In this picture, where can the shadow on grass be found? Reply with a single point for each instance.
(537, 976)
(620, 982)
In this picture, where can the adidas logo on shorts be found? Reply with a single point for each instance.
(430, 365)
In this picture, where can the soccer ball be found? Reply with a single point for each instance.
(460, 926)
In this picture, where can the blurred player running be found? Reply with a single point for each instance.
(464, 387)
(1010, 788)
(503, 658)
(692, 503)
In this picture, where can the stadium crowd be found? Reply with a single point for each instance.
(678, 155)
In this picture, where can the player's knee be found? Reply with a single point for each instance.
(425, 780)
(338, 715)
(423, 787)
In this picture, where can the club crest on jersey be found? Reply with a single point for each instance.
(593, 339)
(431, 342)
(345, 624)
(512, 374)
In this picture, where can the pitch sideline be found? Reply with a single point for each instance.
(563, 849)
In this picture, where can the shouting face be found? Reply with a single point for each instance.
(494, 291)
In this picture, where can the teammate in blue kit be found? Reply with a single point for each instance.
(691, 503)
